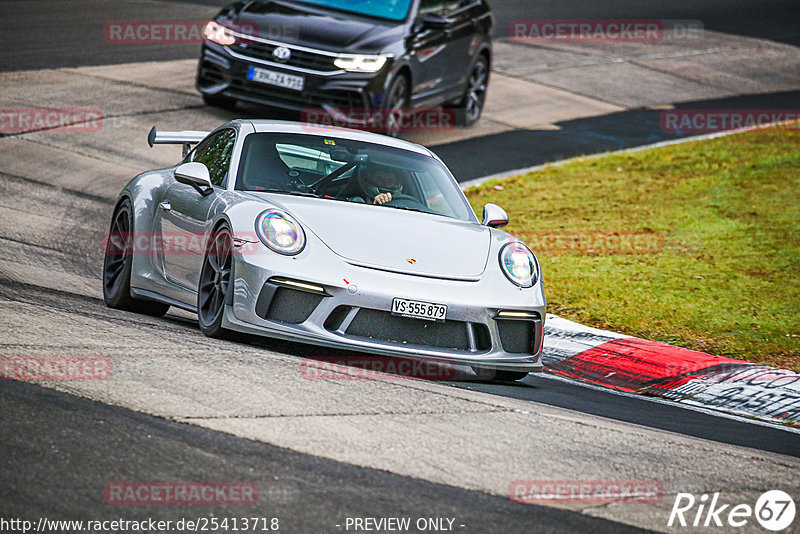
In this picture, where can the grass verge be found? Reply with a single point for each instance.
(695, 244)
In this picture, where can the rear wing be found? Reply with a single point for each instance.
(187, 138)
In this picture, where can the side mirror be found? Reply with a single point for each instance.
(432, 21)
(494, 216)
(195, 174)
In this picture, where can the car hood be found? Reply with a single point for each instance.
(394, 240)
(315, 27)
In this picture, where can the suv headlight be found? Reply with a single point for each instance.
(360, 63)
(219, 34)
(519, 264)
(280, 232)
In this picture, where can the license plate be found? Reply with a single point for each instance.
(279, 79)
(419, 310)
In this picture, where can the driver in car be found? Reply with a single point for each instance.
(379, 183)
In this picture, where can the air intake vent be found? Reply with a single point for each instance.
(483, 340)
(517, 337)
(336, 318)
(384, 326)
(292, 306)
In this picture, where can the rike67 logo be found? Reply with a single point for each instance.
(774, 510)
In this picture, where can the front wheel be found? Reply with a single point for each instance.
(509, 376)
(471, 105)
(215, 283)
(496, 375)
(396, 106)
(118, 263)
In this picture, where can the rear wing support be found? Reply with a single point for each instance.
(187, 138)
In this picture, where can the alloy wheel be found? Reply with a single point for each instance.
(476, 91)
(215, 278)
(118, 252)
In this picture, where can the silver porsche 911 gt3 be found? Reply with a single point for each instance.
(332, 237)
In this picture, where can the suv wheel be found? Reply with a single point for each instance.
(396, 105)
(471, 105)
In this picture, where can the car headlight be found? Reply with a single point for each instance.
(280, 232)
(219, 34)
(519, 264)
(360, 63)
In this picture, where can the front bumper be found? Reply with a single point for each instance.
(223, 71)
(354, 312)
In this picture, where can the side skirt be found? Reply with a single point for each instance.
(152, 295)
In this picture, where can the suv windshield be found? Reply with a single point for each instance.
(351, 171)
(395, 10)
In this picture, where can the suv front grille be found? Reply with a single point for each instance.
(308, 98)
(299, 58)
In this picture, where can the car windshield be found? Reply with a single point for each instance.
(395, 10)
(352, 171)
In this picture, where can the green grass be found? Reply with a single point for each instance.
(727, 279)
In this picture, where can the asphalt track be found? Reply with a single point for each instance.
(57, 450)
(61, 473)
(56, 34)
(519, 149)
(646, 412)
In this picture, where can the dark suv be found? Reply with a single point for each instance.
(395, 56)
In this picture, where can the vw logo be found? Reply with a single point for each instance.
(282, 54)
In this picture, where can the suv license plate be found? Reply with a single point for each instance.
(278, 79)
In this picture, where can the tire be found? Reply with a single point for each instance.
(218, 101)
(215, 283)
(396, 105)
(117, 266)
(472, 103)
(496, 375)
(509, 376)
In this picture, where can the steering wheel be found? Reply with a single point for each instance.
(401, 200)
(294, 181)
